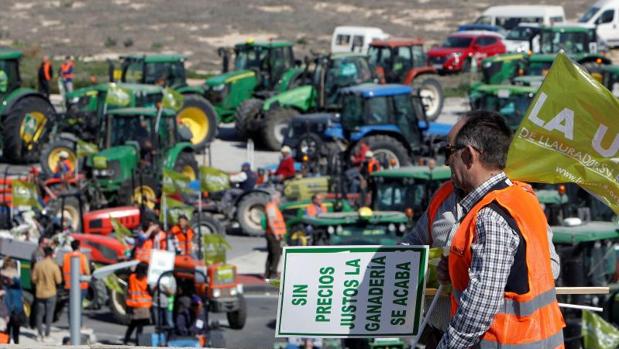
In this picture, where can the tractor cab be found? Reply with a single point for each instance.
(336, 72)
(610, 78)
(393, 59)
(511, 101)
(10, 79)
(160, 69)
(572, 39)
(270, 59)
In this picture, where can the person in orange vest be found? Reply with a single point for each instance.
(183, 235)
(67, 74)
(84, 270)
(276, 230)
(45, 75)
(433, 228)
(316, 207)
(64, 167)
(499, 261)
(154, 238)
(139, 302)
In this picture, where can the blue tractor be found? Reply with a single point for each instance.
(390, 119)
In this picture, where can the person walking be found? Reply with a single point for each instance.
(45, 75)
(13, 299)
(84, 270)
(499, 262)
(46, 277)
(276, 229)
(67, 73)
(433, 228)
(139, 303)
(183, 235)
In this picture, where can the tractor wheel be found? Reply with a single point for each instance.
(245, 114)
(50, 154)
(186, 164)
(71, 210)
(388, 151)
(432, 97)
(237, 318)
(250, 212)
(29, 309)
(118, 306)
(275, 126)
(97, 294)
(309, 144)
(208, 225)
(143, 191)
(200, 117)
(25, 129)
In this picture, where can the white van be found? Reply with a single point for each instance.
(605, 16)
(510, 16)
(355, 39)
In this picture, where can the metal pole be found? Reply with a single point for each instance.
(200, 224)
(75, 301)
(427, 316)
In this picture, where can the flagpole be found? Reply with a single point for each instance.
(165, 212)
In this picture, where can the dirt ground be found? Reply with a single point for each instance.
(197, 27)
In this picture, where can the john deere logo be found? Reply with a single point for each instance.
(30, 124)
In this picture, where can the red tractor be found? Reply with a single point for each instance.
(404, 61)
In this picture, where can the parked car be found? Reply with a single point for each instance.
(355, 39)
(510, 16)
(477, 26)
(460, 48)
(521, 38)
(604, 16)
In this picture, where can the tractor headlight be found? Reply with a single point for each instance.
(391, 227)
(216, 293)
(233, 291)
(339, 229)
(219, 87)
(330, 230)
(402, 228)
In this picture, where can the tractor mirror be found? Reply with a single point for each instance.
(298, 62)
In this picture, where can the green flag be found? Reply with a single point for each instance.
(120, 230)
(213, 179)
(175, 182)
(172, 99)
(569, 134)
(86, 148)
(117, 96)
(597, 333)
(215, 247)
(25, 194)
(175, 208)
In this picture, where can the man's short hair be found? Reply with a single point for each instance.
(315, 196)
(42, 239)
(182, 216)
(487, 132)
(75, 245)
(48, 251)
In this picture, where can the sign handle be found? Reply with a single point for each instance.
(427, 316)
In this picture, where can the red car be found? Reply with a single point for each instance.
(459, 49)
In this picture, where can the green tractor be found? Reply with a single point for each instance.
(136, 145)
(398, 197)
(198, 114)
(609, 77)
(86, 109)
(511, 101)
(26, 114)
(578, 42)
(269, 119)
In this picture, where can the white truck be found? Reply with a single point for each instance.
(604, 16)
(355, 39)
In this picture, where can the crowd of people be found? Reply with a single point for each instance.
(66, 75)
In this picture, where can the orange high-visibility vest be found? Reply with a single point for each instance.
(312, 211)
(441, 194)
(66, 70)
(373, 165)
(184, 239)
(531, 319)
(275, 220)
(138, 296)
(143, 252)
(47, 71)
(66, 269)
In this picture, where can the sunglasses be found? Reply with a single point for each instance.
(449, 149)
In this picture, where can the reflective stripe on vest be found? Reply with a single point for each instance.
(275, 220)
(312, 211)
(552, 342)
(66, 69)
(137, 295)
(441, 194)
(529, 319)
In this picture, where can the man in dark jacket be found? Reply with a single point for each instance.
(45, 75)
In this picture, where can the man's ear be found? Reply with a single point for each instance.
(469, 156)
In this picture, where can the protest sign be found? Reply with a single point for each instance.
(352, 291)
(160, 262)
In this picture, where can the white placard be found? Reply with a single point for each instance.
(160, 262)
(352, 291)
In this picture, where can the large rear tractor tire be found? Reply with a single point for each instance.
(200, 117)
(207, 223)
(71, 212)
(275, 127)
(388, 151)
(246, 112)
(237, 319)
(432, 97)
(25, 128)
(97, 294)
(145, 190)
(118, 306)
(186, 164)
(250, 212)
(50, 154)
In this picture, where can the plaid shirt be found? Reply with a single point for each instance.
(493, 255)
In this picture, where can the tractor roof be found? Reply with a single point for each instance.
(568, 28)
(347, 218)
(149, 89)
(267, 44)
(397, 42)
(590, 231)
(505, 57)
(375, 90)
(157, 58)
(542, 57)
(416, 172)
(611, 68)
(9, 53)
(505, 90)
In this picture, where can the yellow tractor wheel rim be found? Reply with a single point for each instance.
(196, 120)
(27, 309)
(73, 214)
(32, 127)
(54, 157)
(145, 194)
(189, 172)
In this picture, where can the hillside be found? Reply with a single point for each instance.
(196, 28)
